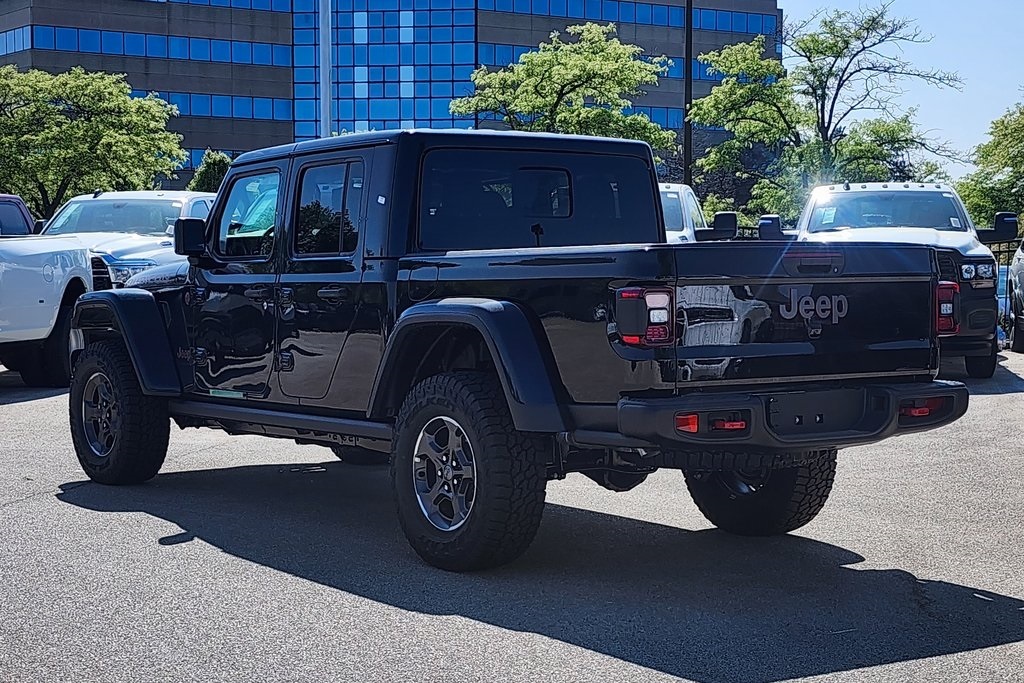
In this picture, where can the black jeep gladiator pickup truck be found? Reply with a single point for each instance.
(492, 310)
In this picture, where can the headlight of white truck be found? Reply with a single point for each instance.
(120, 271)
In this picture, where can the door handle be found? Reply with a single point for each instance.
(332, 294)
(257, 294)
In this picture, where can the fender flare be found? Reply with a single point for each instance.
(134, 315)
(525, 368)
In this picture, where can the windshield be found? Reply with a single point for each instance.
(144, 216)
(843, 211)
(672, 206)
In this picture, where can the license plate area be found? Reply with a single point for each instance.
(824, 412)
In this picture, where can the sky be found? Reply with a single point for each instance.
(980, 40)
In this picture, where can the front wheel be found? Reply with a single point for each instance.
(982, 367)
(1016, 334)
(50, 366)
(469, 488)
(120, 434)
(764, 502)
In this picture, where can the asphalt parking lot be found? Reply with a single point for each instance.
(257, 559)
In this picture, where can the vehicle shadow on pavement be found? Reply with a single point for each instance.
(698, 604)
(1004, 381)
(13, 390)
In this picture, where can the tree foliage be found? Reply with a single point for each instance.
(998, 183)
(75, 132)
(827, 112)
(582, 86)
(211, 172)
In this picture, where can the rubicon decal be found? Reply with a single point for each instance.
(833, 307)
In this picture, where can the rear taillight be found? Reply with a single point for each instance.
(946, 320)
(645, 317)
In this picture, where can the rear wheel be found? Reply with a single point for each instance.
(982, 367)
(763, 502)
(1016, 334)
(120, 434)
(469, 488)
(51, 365)
(354, 455)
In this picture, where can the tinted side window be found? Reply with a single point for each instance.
(329, 200)
(12, 220)
(200, 209)
(250, 217)
(496, 199)
(672, 207)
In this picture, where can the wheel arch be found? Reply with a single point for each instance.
(133, 316)
(471, 334)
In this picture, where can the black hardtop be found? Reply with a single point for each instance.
(429, 137)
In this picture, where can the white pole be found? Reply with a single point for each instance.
(325, 68)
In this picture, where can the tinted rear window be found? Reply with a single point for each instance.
(12, 220)
(490, 199)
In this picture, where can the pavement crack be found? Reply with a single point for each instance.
(36, 494)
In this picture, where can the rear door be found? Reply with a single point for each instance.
(769, 312)
(13, 221)
(319, 286)
(234, 295)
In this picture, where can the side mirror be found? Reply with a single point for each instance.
(769, 228)
(723, 227)
(190, 237)
(1004, 229)
(38, 226)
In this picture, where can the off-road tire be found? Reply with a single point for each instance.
(143, 426)
(788, 499)
(51, 365)
(1016, 333)
(982, 367)
(362, 457)
(510, 474)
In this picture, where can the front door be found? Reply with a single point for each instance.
(319, 286)
(234, 296)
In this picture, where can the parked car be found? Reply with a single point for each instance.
(683, 215)
(927, 214)
(40, 280)
(128, 232)
(1015, 294)
(15, 218)
(518, 321)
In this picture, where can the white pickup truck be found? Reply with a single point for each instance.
(40, 280)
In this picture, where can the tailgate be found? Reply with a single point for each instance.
(762, 311)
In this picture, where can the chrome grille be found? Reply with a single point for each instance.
(947, 267)
(100, 275)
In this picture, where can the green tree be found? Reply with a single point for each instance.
(211, 172)
(828, 111)
(580, 86)
(998, 183)
(75, 132)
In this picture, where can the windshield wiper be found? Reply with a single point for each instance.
(838, 228)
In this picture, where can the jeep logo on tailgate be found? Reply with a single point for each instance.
(808, 307)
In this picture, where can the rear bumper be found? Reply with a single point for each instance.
(809, 418)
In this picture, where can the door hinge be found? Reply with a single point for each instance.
(199, 356)
(286, 361)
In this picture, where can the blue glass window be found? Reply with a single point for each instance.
(200, 105)
(627, 12)
(441, 34)
(305, 56)
(181, 101)
(439, 109)
(422, 90)
(262, 108)
(304, 37)
(241, 53)
(592, 9)
(305, 90)
(282, 110)
(675, 17)
(754, 23)
(441, 54)
(282, 55)
(221, 105)
(113, 42)
(739, 22)
(305, 110)
(384, 109)
(487, 54)
(464, 33)
(724, 22)
(42, 37)
(769, 24)
(220, 50)
(88, 41)
(156, 46)
(575, 9)
(708, 19)
(135, 44)
(659, 15)
(177, 47)
(391, 90)
(486, 4)
(463, 54)
(241, 107)
(199, 48)
(610, 10)
(362, 109)
(440, 89)
(502, 55)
